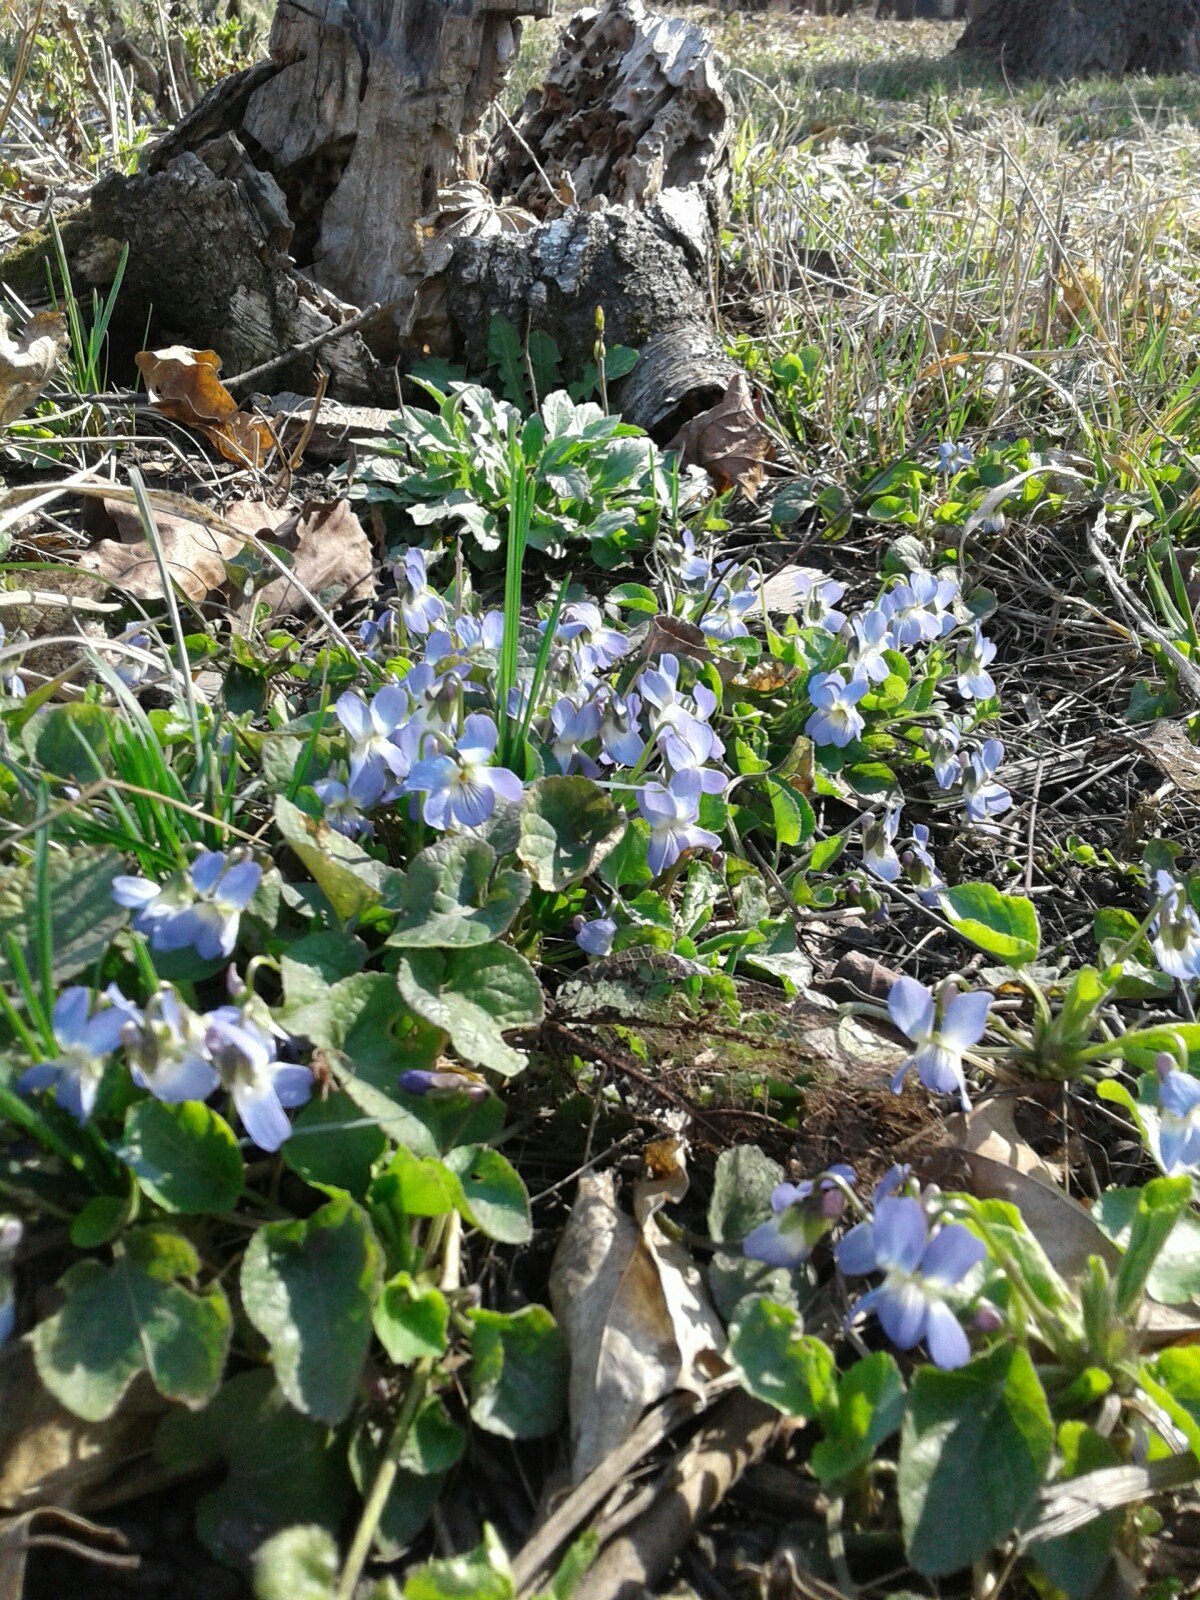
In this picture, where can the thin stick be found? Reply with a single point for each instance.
(309, 345)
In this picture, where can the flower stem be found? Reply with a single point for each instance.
(385, 1478)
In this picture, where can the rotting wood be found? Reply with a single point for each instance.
(350, 169)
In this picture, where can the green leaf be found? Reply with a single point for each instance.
(449, 897)
(308, 1287)
(1075, 1562)
(331, 1144)
(283, 1468)
(83, 916)
(351, 880)
(185, 1156)
(132, 1317)
(434, 1443)
(417, 1186)
(626, 867)
(974, 1451)
(1175, 1276)
(868, 1410)
(1004, 925)
(568, 826)
(518, 1372)
(483, 1574)
(300, 1563)
(1160, 1205)
(103, 1218)
(411, 1500)
(411, 1319)
(474, 996)
(72, 742)
(506, 353)
(792, 815)
(494, 1197)
(743, 1183)
(778, 1363)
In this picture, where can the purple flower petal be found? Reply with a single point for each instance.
(206, 869)
(900, 1235)
(910, 1006)
(855, 1254)
(903, 1312)
(770, 1244)
(262, 1116)
(965, 1020)
(70, 1016)
(948, 1343)
(952, 1252)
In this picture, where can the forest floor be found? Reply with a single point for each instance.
(272, 1356)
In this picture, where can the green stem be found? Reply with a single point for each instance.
(385, 1478)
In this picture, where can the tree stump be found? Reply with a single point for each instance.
(1078, 38)
(350, 171)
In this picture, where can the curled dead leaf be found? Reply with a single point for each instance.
(195, 555)
(28, 362)
(49, 1525)
(729, 440)
(332, 558)
(183, 384)
(634, 1310)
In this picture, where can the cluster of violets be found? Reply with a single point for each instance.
(430, 738)
(922, 1271)
(175, 1053)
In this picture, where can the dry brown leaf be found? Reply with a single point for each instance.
(195, 555)
(331, 557)
(1167, 745)
(728, 440)
(633, 1307)
(183, 384)
(47, 1455)
(28, 362)
(989, 1130)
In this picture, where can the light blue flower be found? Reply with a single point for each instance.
(260, 1086)
(836, 719)
(203, 913)
(11, 1233)
(594, 646)
(87, 1039)
(871, 638)
(911, 1302)
(673, 814)
(466, 638)
(443, 1085)
(973, 657)
(686, 742)
(1179, 1116)
(345, 803)
(373, 729)
(802, 1214)
(435, 695)
(818, 595)
(596, 937)
(461, 790)
(983, 797)
(917, 609)
(11, 682)
(878, 843)
(954, 457)
(380, 638)
(167, 1052)
(133, 672)
(659, 687)
(621, 741)
(940, 1041)
(920, 866)
(1175, 930)
(696, 570)
(727, 606)
(942, 744)
(420, 607)
(571, 726)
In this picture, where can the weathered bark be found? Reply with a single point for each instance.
(346, 173)
(1078, 38)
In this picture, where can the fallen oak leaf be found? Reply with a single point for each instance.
(195, 555)
(28, 362)
(183, 384)
(332, 559)
(728, 440)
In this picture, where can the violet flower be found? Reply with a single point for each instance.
(345, 803)
(917, 609)
(983, 797)
(11, 682)
(621, 741)
(260, 1086)
(878, 843)
(973, 657)
(1179, 1116)
(802, 1214)
(443, 1085)
(954, 457)
(1175, 931)
(86, 1039)
(871, 638)
(461, 790)
(596, 938)
(595, 646)
(572, 726)
(419, 606)
(940, 1041)
(167, 1051)
(836, 719)
(818, 595)
(942, 744)
(673, 815)
(204, 912)
(373, 728)
(722, 620)
(911, 1302)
